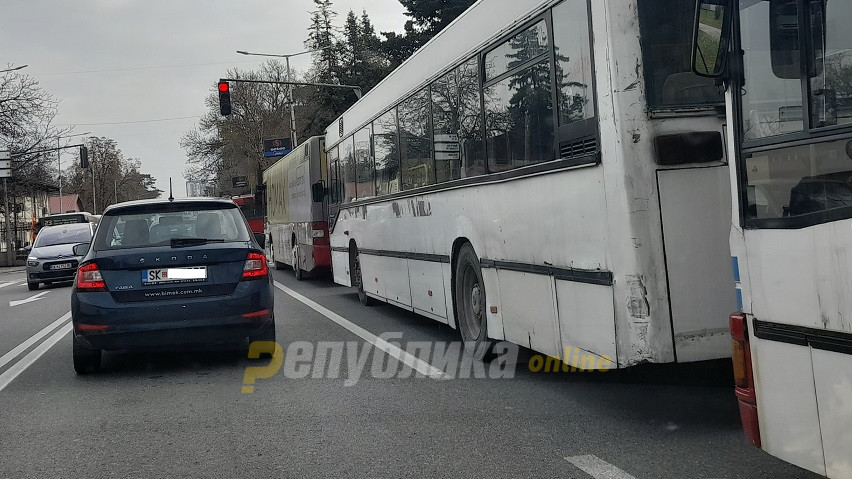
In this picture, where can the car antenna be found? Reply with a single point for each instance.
(171, 196)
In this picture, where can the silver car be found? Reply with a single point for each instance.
(52, 257)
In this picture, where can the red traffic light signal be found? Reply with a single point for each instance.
(224, 98)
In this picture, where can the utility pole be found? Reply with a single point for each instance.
(5, 173)
(295, 140)
(59, 169)
(94, 197)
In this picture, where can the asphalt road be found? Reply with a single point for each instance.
(183, 413)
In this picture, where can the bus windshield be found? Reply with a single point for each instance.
(804, 178)
(666, 27)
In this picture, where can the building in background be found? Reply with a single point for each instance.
(65, 204)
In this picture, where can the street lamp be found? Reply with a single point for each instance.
(59, 164)
(13, 69)
(289, 87)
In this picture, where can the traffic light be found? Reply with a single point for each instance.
(224, 98)
(84, 157)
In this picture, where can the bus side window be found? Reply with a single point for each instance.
(347, 171)
(518, 103)
(386, 150)
(416, 142)
(457, 123)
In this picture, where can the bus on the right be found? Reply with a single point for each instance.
(787, 69)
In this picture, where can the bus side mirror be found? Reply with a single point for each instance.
(318, 191)
(711, 38)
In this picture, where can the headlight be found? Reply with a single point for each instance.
(32, 262)
(32, 258)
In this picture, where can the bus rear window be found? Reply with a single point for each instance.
(666, 28)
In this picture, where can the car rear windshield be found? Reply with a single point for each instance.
(158, 226)
(64, 234)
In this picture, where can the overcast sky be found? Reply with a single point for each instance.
(59, 37)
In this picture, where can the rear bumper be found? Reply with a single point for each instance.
(102, 323)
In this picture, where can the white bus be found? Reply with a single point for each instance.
(295, 215)
(790, 121)
(549, 173)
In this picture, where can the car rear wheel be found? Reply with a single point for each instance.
(32, 286)
(86, 359)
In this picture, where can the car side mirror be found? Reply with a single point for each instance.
(261, 239)
(711, 38)
(318, 191)
(81, 249)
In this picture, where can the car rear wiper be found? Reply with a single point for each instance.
(180, 242)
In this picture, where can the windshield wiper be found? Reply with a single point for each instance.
(180, 242)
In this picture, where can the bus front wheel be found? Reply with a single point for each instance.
(470, 304)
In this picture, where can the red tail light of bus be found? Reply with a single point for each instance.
(744, 377)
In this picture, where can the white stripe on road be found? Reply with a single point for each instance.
(35, 337)
(406, 358)
(10, 374)
(597, 467)
(32, 298)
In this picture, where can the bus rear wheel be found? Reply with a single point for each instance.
(297, 270)
(358, 282)
(470, 304)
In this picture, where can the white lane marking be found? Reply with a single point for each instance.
(6, 284)
(10, 374)
(35, 337)
(32, 298)
(406, 358)
(597, 467)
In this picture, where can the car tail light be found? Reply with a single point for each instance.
(89, 278)
(744, 378)
(319, 233)
(255, 267)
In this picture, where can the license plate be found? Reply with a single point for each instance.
(61, 266)
(174, 275)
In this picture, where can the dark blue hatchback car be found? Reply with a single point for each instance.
(165, 273)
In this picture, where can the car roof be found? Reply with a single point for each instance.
(176, 204)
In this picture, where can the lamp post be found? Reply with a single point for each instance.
(286, 57)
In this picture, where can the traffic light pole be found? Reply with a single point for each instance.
(290, 85)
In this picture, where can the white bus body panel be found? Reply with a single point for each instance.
(804, 395)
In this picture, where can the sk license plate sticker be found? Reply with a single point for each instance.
(172, 275)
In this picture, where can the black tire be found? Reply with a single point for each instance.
(265, 334)
(86, 359)
(275, 264)
(470, 304)
(358, 281)
(32, 286)
(297, 271)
